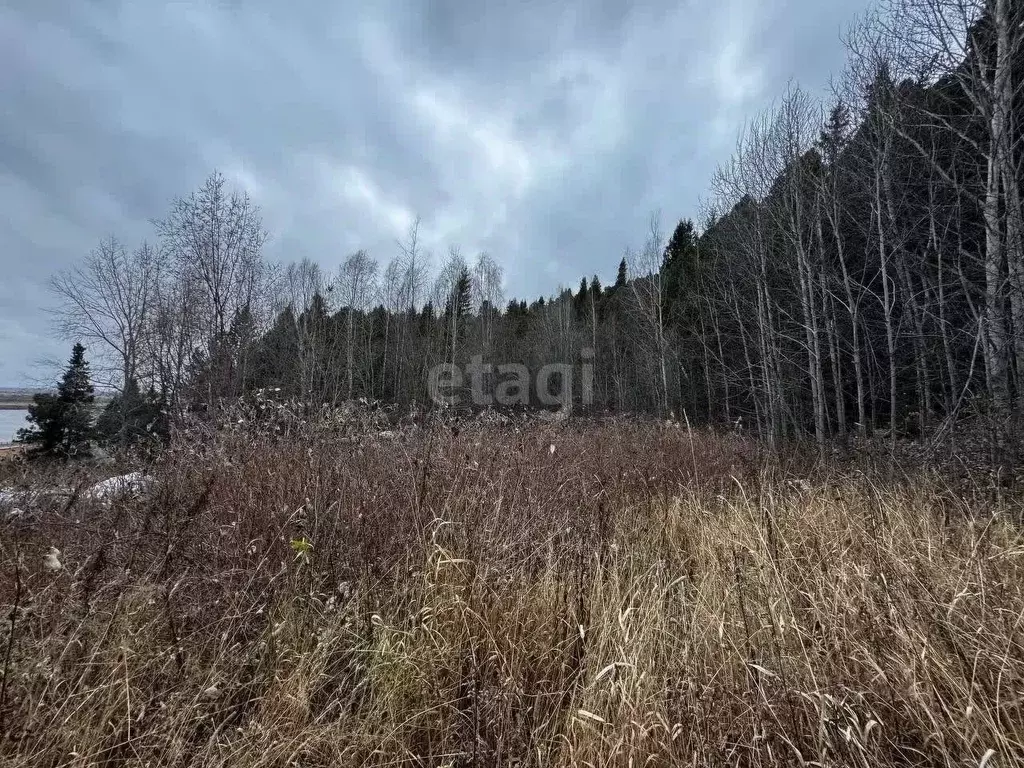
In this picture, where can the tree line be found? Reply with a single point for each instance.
(858, 268)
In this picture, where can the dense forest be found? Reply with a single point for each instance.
(858, 269)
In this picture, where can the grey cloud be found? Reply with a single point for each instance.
(544, 132)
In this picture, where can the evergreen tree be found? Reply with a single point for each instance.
(621, 276)
(276, 360)
(457, 307)
(426, 320)
(45, 436)
(835, 134)
(679, 271)
(581, 301)
(595, 297)
(63, 423)
(131, 417)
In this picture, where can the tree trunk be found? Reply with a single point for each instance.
(887, 301)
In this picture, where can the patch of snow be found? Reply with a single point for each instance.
(51, 561)
(133, 484)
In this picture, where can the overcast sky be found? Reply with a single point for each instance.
(542, 132)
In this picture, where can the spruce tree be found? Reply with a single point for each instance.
(131, 417)
(621, 276)
(581, 301)
(457, 307)
(63, 423)
(276, 359)
(426, 320)
(679, 272)
(596, 298)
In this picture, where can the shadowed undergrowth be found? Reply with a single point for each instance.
(619, 594)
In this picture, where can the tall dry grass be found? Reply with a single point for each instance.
(612, 595)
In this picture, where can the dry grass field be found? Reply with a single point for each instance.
(615, 594)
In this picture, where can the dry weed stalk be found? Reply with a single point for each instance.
(639, 596)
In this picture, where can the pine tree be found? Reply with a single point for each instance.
(63, 422)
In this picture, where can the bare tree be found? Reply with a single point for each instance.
(648, 292)
(304, 292)
(391, 300)
(488, 296)
(974, 44)
(173, 334)
(835, 138)
(452, 278)
(356, 289)
(746, 250)
(216, 238)
(789, 137)
(108, 299)
(415, 267)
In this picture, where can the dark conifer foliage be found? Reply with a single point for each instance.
(131, 417)
(62, 424)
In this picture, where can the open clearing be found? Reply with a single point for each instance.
(608, 594)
